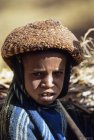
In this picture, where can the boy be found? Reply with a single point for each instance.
(41, 55)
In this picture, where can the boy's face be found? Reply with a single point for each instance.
(44, 76)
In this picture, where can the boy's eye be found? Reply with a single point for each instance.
(58, 73)
(37, 74)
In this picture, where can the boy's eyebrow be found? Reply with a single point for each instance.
(59, 70)
(38, 70)
(35, 70)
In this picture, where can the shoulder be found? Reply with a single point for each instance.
(18, 119)
(20, 126)
(18, 113)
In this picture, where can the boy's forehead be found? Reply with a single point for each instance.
(48, 60)
(43, 54)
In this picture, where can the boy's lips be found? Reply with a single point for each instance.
(47, 94)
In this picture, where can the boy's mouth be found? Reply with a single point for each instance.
(47, 94)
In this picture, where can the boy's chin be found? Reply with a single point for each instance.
(46, 101)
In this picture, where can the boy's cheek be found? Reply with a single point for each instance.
(35, 84)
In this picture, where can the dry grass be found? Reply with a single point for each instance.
(87, 44)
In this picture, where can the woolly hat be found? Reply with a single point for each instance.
(42, 35)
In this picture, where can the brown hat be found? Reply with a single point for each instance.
(41, 35)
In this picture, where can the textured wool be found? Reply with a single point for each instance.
(32, 124)
(42, 35)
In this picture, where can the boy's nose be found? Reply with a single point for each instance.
(48, 81)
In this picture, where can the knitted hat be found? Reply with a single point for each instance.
(42, 35)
